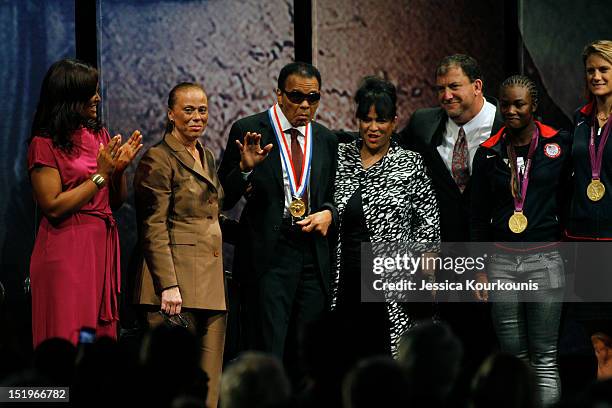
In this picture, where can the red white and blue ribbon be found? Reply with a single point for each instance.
(297, 186)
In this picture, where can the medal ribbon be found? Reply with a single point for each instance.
(597, 156)
(524, 180)
(297, 186)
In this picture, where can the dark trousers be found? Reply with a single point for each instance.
(286, 297)
(470, 320)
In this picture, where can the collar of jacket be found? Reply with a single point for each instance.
(493, 142)
(587, 110)
(177, 146)
(440, 123)
(187, 160)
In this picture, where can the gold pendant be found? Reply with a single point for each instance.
(297, 208)
(517, 222)
(595, 190)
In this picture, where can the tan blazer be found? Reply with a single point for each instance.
(177, 206)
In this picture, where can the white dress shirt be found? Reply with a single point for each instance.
(476, 131)
(286, 126)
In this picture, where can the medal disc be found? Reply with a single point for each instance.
(517, 222)
(595, 190)
(297, 208)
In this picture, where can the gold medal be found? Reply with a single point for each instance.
(595, 190)
(297, 208)
(518, 222)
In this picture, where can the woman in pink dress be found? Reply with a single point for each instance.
(77, 176)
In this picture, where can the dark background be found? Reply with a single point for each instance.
(236, 48)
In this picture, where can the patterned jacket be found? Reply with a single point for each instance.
(399, 205)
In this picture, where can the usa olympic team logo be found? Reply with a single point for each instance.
(552, 150)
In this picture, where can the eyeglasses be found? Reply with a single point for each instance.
(298, 97)
(174, 320)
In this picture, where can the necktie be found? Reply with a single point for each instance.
(460, 163)
(297, 157)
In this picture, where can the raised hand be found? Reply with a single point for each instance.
(251, 153)
(128, 151)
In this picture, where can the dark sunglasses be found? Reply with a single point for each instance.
(298, 97)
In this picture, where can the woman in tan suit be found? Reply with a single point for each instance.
(178, 197)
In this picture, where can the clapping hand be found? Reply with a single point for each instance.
(251, 153)
(106, 157)
(128, 151)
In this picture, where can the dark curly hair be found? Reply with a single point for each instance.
(377, 92)
(66, 90)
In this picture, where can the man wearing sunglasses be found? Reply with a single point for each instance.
(284, 164)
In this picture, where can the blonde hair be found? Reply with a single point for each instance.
(602, 48)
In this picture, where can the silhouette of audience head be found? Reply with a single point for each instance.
(54, 359)
(375, 382)
(255, 380)
(97, 368)
(597, 395)
(170, 360)
(431, 355)
(504, 381)
(328, 352)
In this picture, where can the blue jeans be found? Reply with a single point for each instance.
(530, 329)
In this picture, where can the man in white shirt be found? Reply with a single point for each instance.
(477, 130)
(447, 137)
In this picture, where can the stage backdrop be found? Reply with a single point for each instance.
(554, 33)
(403, 41)
(33, 35)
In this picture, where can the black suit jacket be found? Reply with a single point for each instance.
(262, 215)
(423, 134)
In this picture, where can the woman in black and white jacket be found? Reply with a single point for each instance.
(383, 195)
